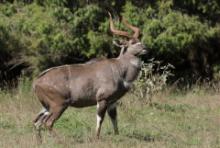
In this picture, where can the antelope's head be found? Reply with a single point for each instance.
(132, 44)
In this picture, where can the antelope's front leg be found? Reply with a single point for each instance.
(112, 112)
(101, 109)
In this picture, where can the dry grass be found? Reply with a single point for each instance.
(190, 120)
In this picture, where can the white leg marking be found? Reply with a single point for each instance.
(43, 110)
(46, 113)
(39, 121)
(98, 118)
(97, 106)
(38, 124)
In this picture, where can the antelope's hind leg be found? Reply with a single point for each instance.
(55, 113)
(39, 116)
(38, 121)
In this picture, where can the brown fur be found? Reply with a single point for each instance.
(100, 82)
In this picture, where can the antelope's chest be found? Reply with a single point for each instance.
(121, 90)
(127, 85)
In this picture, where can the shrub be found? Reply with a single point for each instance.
(153, 78)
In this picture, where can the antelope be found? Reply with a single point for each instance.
(100, 82)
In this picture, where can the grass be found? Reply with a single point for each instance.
(174, 120)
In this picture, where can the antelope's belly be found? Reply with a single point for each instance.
(82, 102)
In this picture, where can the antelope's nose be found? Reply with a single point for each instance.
(144, 51)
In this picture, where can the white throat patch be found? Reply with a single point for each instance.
(138, 43)
(126, 84)
(135, 63)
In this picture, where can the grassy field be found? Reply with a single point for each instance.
(178, 120)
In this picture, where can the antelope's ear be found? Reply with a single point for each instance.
(124, 43)
(133, 41)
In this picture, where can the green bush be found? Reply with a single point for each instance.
(152, 79)
(51, 36)
(185, 41)
(49, 33)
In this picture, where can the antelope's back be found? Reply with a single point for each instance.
(79, 80)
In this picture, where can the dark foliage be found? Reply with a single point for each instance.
(37, 34)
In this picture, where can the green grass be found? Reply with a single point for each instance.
(189, 120)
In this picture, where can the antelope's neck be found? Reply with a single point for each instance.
(131, 66)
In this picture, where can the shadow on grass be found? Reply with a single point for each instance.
(172, 108)
(138, 136)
